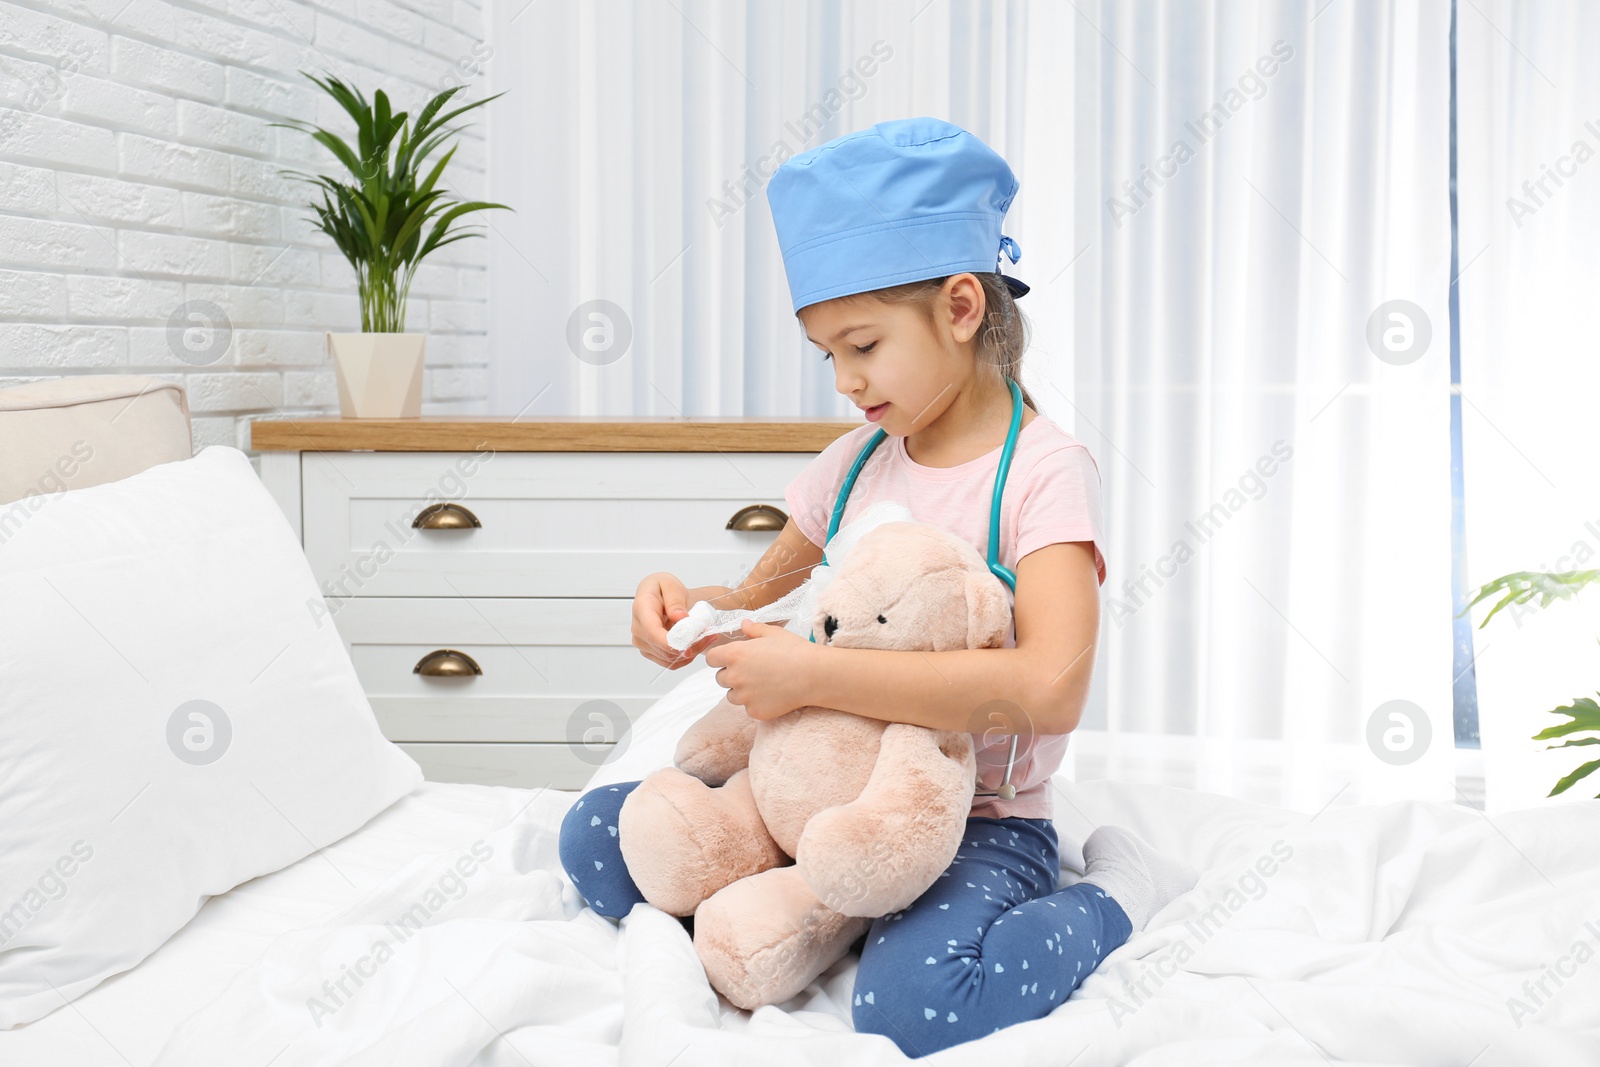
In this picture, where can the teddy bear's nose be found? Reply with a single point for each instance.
(829, 625)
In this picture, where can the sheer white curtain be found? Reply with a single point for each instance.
(1224, 195)
(1529, 121)
(1205, 334)
(637, 159)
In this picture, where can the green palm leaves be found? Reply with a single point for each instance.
(392, 214)
(1522, 586)
(1519, 588)
(1585, 715)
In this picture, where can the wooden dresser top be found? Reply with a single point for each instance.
(503, 433)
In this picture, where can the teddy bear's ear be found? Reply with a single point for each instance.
(988, 612)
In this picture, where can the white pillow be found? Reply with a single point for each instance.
(175, 718)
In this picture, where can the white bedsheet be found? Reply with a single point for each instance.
(1393, 935)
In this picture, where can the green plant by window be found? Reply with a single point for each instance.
(1583, 713)
(381, 220)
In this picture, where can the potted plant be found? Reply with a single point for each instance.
(1583, 713)
(384, 221)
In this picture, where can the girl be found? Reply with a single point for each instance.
(886, 237)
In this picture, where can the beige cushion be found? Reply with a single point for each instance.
(71, 433)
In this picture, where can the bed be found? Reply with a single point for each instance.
(435, 926)
(1399, 934)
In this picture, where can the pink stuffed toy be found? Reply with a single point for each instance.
(871, 812)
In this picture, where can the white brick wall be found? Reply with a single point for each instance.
(138, 173)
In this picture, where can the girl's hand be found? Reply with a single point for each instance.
(660, 602)
(768, 675)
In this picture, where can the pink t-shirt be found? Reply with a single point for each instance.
(1052, 494)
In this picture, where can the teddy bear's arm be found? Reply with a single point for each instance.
(718, 745)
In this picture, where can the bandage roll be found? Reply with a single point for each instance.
(798, 606)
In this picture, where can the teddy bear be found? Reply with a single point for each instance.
(784, 838)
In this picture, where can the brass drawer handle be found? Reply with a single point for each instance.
(447, 663)
(762, 517)
(445, 517)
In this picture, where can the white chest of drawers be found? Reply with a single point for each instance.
(481, 572)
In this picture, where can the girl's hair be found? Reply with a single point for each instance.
(1001, 339)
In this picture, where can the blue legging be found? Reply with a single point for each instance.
(592, 855)
(924, 982)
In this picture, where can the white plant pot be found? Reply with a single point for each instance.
(380, 374)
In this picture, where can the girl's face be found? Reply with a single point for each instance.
(888, 354)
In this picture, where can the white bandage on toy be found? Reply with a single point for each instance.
(798, 606)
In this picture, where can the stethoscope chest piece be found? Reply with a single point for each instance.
(1007, 791)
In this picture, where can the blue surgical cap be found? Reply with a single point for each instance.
(899, 202)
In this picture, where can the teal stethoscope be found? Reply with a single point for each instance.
(1007, 791)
